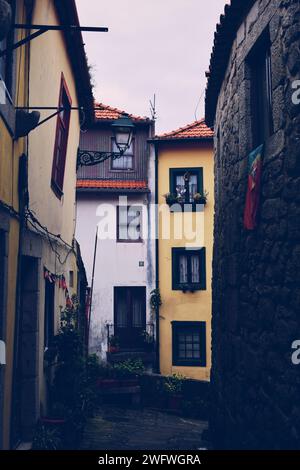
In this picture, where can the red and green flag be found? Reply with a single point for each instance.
(254, 186)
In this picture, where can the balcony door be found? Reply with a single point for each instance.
(130, 316)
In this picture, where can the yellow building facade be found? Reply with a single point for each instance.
(40, 267)
(185, 196)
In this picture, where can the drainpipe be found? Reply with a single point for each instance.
(157, 260)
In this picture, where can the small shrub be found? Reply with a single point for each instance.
(173, 384)
(46, 438)
(129, 368)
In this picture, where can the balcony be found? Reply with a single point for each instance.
(130, 343)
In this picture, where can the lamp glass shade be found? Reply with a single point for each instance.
(123, 133)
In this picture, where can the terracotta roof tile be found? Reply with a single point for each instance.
(107, 113)
(196, 130)
(111, 184)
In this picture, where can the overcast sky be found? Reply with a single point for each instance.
(153, 46)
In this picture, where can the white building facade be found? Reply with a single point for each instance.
(115, 199)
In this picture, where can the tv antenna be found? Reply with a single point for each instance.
(153, 108)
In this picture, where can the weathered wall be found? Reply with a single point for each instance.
(10, 152)
(256, 274)
(48, 60)
(177, 306)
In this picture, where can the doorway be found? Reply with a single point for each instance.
(130, 316)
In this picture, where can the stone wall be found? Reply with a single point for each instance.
(256, 275)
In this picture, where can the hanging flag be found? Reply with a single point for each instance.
(254, 185)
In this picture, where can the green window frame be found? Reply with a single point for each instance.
(180, 172)
(188, 269)
(189, 344)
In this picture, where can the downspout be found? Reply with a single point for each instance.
(157, 260)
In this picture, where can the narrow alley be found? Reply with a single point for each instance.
(115, 428)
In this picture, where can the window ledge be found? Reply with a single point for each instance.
(57, 191)
(186, 207)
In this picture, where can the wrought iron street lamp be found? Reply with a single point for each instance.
(123, 132)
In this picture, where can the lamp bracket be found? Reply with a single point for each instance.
(42, 28)
(91, 158)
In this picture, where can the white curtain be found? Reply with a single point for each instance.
(195, 268)
(183, 269)
(137, 313)
(121, 310)
(126, 161)
(193, 187)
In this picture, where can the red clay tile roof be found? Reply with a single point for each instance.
(196, 130)
(111, 184)
(107, 113)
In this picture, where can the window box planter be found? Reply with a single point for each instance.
(108, 383)
(129, 382)
(189, 288)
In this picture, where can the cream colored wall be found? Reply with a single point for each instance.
(178, 306)
(49, 58)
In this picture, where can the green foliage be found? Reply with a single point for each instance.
(73, 394)
(171, 198)
(129, 368)
(201, 198)
(147, 338)
(114, 341)
(46, 438)
(173, 384)
(155, 299)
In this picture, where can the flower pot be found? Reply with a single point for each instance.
(129, 382)
(174, 402)
(108, 383)
(55, 422)
(5, 18)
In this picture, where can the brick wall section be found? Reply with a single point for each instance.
(256, 275)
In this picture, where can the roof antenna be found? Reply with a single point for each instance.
(198, 104)
(153, 108)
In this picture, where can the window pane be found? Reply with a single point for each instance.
(121, 316)
(137, 313)
(180, 187)
(193, 186)
(122, 163)
(126, 161)
(195, 269)
(183, 269)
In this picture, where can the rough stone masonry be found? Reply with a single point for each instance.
(256, 274)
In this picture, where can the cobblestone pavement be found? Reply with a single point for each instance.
(130, 429)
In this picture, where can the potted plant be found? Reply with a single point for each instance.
(155, 299)
(129, 371)
(171, 199)
(173, 388)
(113, 344)
(148, 341)
(46, 438)
(201, 198)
